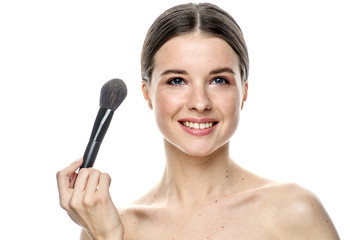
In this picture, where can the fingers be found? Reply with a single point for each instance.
(73, 179)
(92, 182)
(81, 179)
(89, 182)
(105, 181)
(87, 200)
(65, 175)
(74, 187)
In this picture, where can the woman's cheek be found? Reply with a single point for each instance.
(165, 108)
(230, 107)
(229, 100)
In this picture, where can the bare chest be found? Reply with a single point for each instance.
(215, 222)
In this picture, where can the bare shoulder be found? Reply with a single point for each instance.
(134, 217)
(138, 207)
(299, 213)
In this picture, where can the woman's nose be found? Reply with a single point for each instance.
(199, 99)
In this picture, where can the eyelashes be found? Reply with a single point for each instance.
(219, 81)
(178, 81)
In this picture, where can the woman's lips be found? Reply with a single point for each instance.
(198, 127)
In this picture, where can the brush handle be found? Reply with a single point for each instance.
(90, 154)
(101, 125)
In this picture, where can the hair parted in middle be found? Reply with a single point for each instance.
(185, 18)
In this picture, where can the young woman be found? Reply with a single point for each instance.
(195, 70)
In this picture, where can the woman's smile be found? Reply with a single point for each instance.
(198, 127)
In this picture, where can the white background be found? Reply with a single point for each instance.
(300, 122)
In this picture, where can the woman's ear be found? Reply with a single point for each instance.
(244, 94)
(146, 93)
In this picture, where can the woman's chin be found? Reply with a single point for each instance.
(199, 149)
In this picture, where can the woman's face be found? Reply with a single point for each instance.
(196, 92)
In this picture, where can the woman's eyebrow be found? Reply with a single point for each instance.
(183, 72)
(174, 71)
(222, 70)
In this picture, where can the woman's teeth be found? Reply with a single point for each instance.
(198, 125)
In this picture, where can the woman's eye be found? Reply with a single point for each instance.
(219, 81)
(176, 81)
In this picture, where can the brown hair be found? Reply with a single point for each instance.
(185, 18)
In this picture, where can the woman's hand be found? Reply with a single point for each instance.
(87, 201)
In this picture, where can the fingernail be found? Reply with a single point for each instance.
(76, 161)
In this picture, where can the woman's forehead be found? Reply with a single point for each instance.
(193, 50)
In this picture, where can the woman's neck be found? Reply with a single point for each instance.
(192, 179)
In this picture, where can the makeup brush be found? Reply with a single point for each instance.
(113, 93)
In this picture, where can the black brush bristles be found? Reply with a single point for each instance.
(113, 93)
